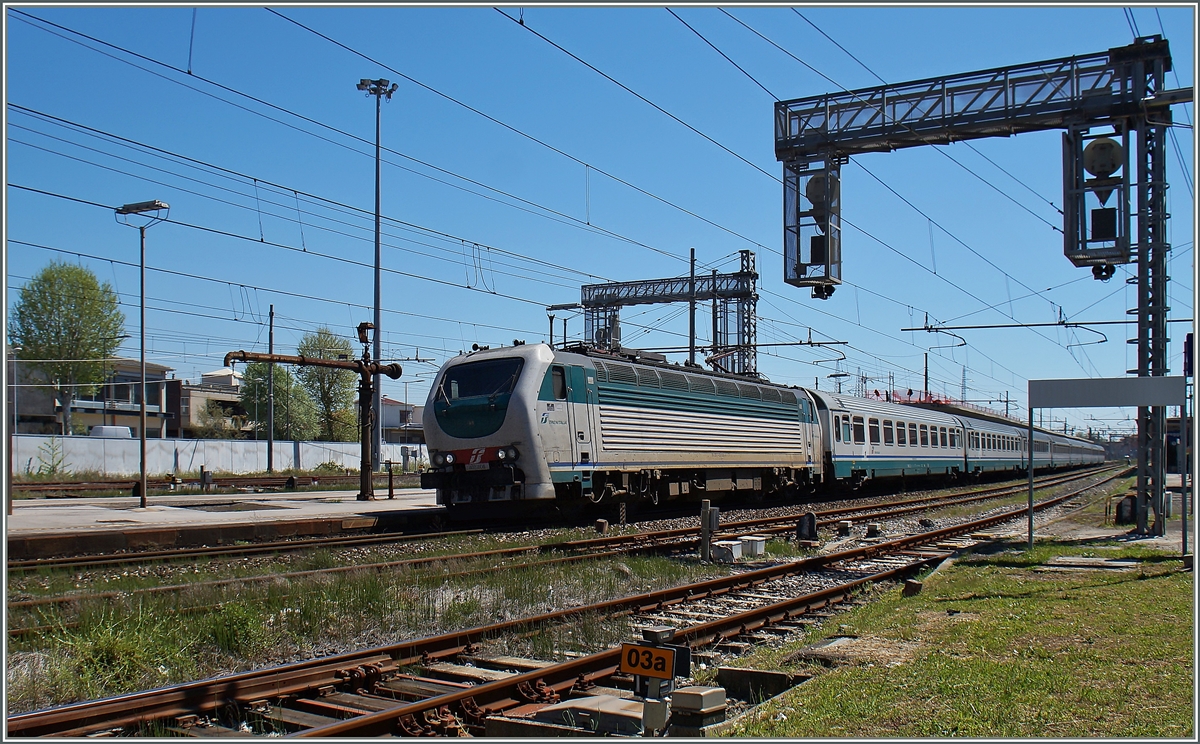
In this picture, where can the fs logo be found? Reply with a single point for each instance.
(545, 417)
(477, 455)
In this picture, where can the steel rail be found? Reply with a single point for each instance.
(673, 538)
(499, 694)
(249, 687)
(276, 546)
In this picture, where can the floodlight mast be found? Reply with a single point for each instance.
(155, 209)
(380, 89)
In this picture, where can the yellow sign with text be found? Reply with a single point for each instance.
(648, 661)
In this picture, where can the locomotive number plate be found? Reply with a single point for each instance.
(478, 466)
(648, 661)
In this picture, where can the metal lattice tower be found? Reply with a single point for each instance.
(1119, 91)
(735, 296)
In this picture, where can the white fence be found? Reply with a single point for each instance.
(111, 456)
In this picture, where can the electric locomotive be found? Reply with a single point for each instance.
(530, 423)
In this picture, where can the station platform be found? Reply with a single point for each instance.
(49, 527)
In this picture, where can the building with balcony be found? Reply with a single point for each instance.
(37, 409)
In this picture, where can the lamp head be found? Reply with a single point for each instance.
(363, 84)
(362, 331)
(143, 207)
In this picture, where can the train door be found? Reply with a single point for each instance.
(812, 438)
(580, 395)
(554, 417)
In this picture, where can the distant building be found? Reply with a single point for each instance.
(217, 390)
(37, 409)
(402, 422)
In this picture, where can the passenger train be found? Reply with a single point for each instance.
(534, 423)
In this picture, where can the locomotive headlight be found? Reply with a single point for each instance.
(449, 458)
(510, 453)
(502, 454)
(439, 459)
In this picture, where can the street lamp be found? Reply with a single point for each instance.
(153, 211)
(379, 89)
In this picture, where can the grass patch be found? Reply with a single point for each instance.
(133, 643)
(994, 648)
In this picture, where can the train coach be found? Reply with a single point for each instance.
(538, 424)
(866, 439)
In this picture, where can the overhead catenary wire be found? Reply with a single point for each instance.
(546, 212)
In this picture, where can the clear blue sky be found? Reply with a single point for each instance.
(484, 227)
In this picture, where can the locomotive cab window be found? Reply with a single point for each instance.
(887, 433)
(474, 379)
(860, 432)
(558, 376)
(873, 429)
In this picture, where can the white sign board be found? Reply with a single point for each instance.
(1107, 392)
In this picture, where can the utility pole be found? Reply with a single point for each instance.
(926, 391)
(271, 395)
(379, 89)
(692, 311)
(714, 313)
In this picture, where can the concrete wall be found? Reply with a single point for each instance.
(165, 456)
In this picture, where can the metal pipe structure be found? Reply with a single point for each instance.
(366, 369)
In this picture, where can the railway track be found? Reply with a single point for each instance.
(283, 482)
(577, 550)
(338, 541)
(448, 684)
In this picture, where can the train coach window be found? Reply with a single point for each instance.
(887, 433)
(559, 377)
(901, 439)
(924, 435)
(860, 434)
(873, 430)
(846, 429)
(954, 439)
(837, 428)
(912, 435)
(942, 437)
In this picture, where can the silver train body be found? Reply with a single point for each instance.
(530, 423)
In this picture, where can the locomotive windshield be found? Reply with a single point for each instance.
(472, 400)
(488, 377)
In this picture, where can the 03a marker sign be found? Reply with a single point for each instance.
(648, 661)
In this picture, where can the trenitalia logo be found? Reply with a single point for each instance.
(477, 455)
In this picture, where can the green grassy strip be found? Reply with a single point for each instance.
(994, 648)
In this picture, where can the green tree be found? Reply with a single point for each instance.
(332, 390)
(66, 322)
(295, 415)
